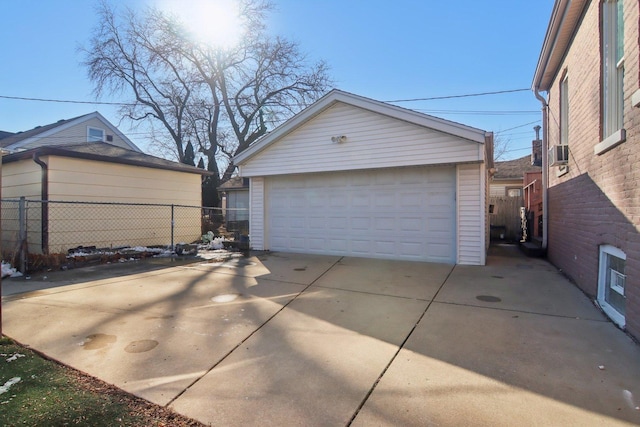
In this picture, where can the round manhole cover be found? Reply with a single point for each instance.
(488, 298)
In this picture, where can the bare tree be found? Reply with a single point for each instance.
(220, 99)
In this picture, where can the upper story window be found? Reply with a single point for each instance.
(612, 66)
(564, 110)
(95, 135)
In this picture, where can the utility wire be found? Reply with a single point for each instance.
(459, 96)
(67, 101)
(20, 98)
(519, 126)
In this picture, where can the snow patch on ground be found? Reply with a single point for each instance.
(8, 270)
(5, 388)
(15, 356)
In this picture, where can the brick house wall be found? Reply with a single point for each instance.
(597, 201)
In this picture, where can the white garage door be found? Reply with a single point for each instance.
(404, 213)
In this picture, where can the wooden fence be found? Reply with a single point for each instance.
(504, 217)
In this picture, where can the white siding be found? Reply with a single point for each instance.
(257, 213)
(471, 215)
(373, 141)
(76, 135)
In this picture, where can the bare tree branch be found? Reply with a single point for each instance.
(215, 97)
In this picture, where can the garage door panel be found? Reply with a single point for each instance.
(395, 213)
(338, 223)
(416, 224)
(317, 244)
(317, 223)
(411, 249)
(360, 201)
(382, 224)
(338, 245)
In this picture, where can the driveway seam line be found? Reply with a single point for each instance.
(400, 347)
(223, 358)
(371, 293)
(512, 310)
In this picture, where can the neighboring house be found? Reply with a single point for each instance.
(92, 127)
(357, 177)
(508, 179)
(532, 199)
(506, 190)
(95, 172)
(589, 68)
(235, 203)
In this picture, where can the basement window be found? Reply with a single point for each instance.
(611, 283)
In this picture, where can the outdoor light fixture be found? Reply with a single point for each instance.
(339, 139)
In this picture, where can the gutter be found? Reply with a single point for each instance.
(545, 167)
(44, 192)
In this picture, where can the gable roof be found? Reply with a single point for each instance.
(565, 20)
(104, 152)
(335, 96)
(21, 139)
(515, 169)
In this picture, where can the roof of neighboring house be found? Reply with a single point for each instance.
(335, 96)
(235, 183)
(4, 134)
(19, 139)
(104, 152)
(514, 169)
(565, 19)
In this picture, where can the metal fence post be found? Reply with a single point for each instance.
(173, 249)
(22, 236)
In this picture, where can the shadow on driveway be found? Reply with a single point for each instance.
(320, 340)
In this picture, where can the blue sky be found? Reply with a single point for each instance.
(385, 50)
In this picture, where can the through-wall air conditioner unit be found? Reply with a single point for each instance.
(559, 155)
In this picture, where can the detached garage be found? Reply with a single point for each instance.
(357, 177)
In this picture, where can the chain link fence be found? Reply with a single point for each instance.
(45, 228)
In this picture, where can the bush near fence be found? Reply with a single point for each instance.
(39, 231)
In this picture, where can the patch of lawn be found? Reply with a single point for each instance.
(35, 391)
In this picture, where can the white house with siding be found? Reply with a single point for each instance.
(357, 177)
(92, 127)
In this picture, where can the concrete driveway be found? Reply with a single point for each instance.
(288, 339)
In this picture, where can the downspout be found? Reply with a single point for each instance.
(545, 168)
(44, 203)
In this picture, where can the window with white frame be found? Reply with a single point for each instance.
(564, 110)
(95, 134)
(513, 191)
(612, 67)
(611, 283)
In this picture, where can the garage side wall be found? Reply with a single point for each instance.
(256, 213)
(471, 214)
(71, 225)
(20, 179)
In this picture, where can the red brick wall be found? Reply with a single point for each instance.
(598, 201)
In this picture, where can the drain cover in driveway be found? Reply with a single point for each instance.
(488, 298)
